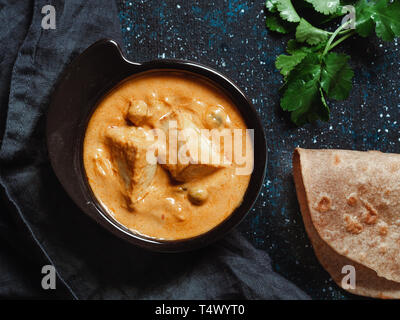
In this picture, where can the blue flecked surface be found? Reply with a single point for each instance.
(231, 37)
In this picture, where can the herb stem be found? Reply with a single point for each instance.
(333, 36)
(337, 42)
(346, 31)
(341, 32)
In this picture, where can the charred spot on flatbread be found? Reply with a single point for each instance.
(324, 204)
(352, 200)
(352, 224)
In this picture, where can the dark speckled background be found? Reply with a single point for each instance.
(231, 37)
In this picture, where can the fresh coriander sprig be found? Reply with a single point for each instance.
(312, 73)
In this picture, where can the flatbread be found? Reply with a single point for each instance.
(334, 184)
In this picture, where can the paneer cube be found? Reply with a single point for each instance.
(138, 112)
(194, 147)
(128, 147)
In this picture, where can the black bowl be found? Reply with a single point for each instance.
(85, 81)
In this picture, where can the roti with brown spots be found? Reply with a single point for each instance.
(350, 202)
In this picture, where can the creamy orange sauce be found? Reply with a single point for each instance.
(158, 200)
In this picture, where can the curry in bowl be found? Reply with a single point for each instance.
(184, 186)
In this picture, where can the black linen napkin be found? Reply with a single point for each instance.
(40, 225)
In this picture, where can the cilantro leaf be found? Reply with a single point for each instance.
(381, 14)
(287, 11)
(297, 52)
(271, 5)
(305, 32)
(364, 23)
(307, 82)
(273, 20)
(294, 46)
(312, 73)
(306, 102)
(325, 6)
(387, 20)
(292, 100)
(275, 23)
(303, 97)
(286, 63)
(307, 69)
(336, 76)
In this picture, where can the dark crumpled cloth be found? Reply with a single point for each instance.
(40, 225)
